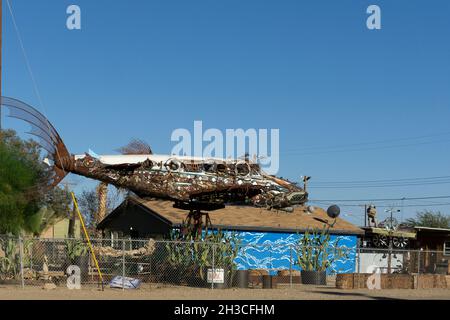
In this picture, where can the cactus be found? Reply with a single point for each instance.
(315, 252)
(189, 250)
(10, 261)
(9, 264)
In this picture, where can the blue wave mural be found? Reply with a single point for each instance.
(276, 251)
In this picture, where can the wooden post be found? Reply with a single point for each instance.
(390, 253)
(365, 216)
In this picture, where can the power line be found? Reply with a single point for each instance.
(381, 200)
(386, 183)
(379, 186)
(30, 71)
(371, 143)
(388, 206)
(385, 180)
(366, 149)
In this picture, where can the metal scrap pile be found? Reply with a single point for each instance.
(196, 183)
(146, 250)
(201, 181)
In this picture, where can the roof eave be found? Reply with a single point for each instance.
(432, 229)
(275, 230)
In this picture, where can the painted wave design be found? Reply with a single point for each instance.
(273, 251)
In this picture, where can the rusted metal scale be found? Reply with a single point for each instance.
(192, 183)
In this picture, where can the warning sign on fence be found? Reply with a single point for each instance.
(216, 275)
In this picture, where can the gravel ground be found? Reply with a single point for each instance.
(182, 293)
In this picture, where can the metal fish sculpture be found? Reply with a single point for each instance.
(191, 183)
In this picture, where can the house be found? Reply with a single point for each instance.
(422, 249)
(435, 245)
(432, 239)
(267, 236)
(60, 230)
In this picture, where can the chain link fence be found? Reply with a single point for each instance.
(127, 264)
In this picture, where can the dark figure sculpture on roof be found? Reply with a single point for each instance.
(372, 215)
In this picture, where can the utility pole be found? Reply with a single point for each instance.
(402, 210)
(365, 215)
(391, 231)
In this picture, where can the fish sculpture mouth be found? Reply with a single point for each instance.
(191, 183)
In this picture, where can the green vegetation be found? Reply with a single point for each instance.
(9, 263)
(89, 204)
(10, 260)
(24, 206)
(430, 219)
(188, 251)
(75, 249)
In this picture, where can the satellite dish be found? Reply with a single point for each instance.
(334, 211)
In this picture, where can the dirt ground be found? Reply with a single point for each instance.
(183, 293)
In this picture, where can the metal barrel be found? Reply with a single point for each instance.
(241, 279)
(267, 282)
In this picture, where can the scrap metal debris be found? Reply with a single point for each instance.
(146, 250)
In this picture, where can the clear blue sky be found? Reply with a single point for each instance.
(142, 68)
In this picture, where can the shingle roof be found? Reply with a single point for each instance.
(253, 219)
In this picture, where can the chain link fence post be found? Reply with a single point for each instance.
(213, 267)
(21, 262)
(123, 265)
(358, 261)
(418, 267)
(151, 265)
(31, 257)
(290, 266)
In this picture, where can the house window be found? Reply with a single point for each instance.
(447, 248)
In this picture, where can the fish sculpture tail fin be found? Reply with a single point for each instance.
(58, 158)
